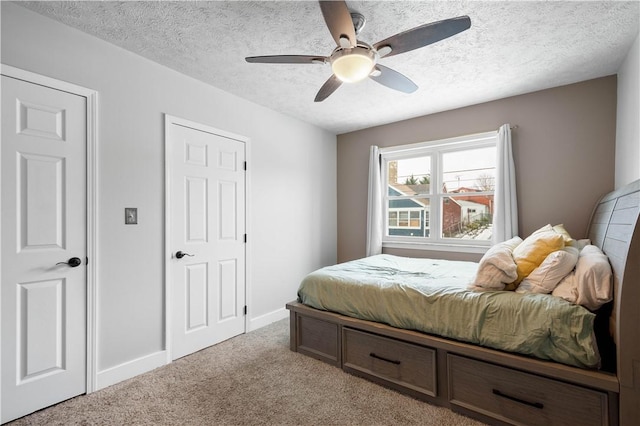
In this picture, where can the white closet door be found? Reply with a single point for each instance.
(207, 239)
(43, 226)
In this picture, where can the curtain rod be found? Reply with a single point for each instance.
(515, 126)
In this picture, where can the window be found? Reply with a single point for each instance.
(440, 193)
(400, 219)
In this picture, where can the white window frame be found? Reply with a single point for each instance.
(434, 149)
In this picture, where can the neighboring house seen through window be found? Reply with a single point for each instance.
(441, 192)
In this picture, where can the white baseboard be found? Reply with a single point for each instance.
(130, 369)
(266, 319)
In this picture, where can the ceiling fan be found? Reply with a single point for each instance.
(353, 60)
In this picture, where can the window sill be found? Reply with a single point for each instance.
(481, 249)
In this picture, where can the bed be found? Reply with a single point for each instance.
(596, 381)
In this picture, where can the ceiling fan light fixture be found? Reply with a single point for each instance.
(353, 64)
(354, 60)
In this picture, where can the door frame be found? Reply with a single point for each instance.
(170, 120)
(92, 207)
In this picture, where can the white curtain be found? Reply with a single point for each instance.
(505, 214)
(374, 210)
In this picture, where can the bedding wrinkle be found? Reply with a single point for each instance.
(431, 296)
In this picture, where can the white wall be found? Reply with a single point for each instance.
(627, 126)
(293, 181)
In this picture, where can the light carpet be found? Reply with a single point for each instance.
(252, 379)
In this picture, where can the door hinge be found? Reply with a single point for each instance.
(245, 165)
(245, 238)
(245, 309)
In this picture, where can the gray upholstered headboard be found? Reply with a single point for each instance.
(615, 228)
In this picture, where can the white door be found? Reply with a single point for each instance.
(207, 241)
(43, 228)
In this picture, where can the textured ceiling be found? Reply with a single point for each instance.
(511, 48)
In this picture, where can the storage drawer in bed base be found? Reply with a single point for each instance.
(495, 387)
(521, 398)
(403, 366)
(317, 338)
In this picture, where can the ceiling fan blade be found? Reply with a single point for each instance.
(328, 88)
(338, 19)
(394, 80)
(424, 35)
(287, 59)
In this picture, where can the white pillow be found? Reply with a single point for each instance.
(580, 244)
(554, 268)
(590, 284)
(497, 267)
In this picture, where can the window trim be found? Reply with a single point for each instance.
(435, 149)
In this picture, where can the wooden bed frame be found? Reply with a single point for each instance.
(491, 385)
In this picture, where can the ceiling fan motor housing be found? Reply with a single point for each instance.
(358, 21)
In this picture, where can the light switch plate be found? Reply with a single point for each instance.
(130, 216)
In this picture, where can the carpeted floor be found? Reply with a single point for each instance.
(253, 379)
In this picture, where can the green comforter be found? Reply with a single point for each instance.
(431, 296)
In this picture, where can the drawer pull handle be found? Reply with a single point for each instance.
(392, 361)
(521, 401)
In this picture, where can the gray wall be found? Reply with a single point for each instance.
(628, 123)
(133, 95)
(564, 150)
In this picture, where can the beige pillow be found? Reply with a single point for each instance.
(497, 267)
(533, 250)
(591, 283)
(551, 271)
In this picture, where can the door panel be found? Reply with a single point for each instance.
(196, 296)
(227, 211)
(43, 225)
(228, 284)
(40, 190)
(40, 335)
(208, 223)
(196, 205)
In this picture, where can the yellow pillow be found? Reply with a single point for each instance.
(533, 251)
(568, 241)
